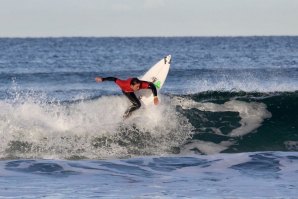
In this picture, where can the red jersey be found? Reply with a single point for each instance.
(125, 85)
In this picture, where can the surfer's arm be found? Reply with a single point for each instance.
(109, 79)
(102, 79)
(153, 88)
(150, 85)
(154, 91)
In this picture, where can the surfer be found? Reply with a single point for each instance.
(128, 88)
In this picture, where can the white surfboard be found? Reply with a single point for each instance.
(156, 74)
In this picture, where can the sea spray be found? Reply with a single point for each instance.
(33, 128)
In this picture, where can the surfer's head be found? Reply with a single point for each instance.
(135, 84)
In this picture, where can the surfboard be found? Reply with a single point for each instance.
(157, 74)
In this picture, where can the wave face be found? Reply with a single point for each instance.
(241, 121)
(202, 123)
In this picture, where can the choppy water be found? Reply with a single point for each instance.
(227, 122)
(241, 175)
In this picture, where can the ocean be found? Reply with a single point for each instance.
(226, 125)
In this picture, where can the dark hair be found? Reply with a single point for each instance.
(135, 81)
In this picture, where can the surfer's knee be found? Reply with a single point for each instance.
(138, 105)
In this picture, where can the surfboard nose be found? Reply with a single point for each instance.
(168, 59)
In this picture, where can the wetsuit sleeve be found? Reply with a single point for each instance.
(153, 88)
(109, 79)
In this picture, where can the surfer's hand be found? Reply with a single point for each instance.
(98, 79)
(156, 101)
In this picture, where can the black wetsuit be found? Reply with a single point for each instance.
(128, 92)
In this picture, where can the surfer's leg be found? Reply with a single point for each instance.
(136, 104)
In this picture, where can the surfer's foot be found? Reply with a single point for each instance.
(126, 115)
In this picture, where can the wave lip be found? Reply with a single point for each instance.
(190, 81)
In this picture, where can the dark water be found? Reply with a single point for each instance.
(235, 95)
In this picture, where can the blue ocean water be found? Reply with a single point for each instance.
(226, 127)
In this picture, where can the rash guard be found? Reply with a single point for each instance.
(125, 85)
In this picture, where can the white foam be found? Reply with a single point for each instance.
(291, 145)
(61, 131)
(206, 147)
(252, 113)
